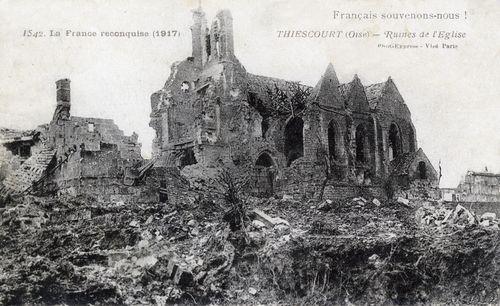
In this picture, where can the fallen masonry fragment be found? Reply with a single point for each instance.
(440, 216)
(32, 170)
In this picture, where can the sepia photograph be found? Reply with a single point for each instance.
(238, 152)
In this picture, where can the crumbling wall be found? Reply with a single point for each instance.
(405, 130)
(8, 163)
(341, 191)
(479, 187)
(419, 190)
(91, 153)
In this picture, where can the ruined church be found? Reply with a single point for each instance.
(291, 138)
(285, 138)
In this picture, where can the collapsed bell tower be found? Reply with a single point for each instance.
(212, 44)
(199, 37)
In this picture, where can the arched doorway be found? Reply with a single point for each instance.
(395, 147)
(264, 175)
(294, 140)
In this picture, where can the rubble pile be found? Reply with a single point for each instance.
(77, 251)
(440, 216)
(363, 251)
(360, 250)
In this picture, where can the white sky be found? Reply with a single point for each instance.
(452, 94)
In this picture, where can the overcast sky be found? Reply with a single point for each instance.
(452, 94)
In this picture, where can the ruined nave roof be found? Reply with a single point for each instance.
(328, 87)
(258, 84)
(373, 92)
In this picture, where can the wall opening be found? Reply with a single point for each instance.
(187, 158)
(380, 143)
(422, 170)
(185, 86)
(264, 126)
(395, 147)
(333, 141)
(264, 175)
(411, 140)
(25, 151)
(361, 155)
(255, 102)
(294, 140)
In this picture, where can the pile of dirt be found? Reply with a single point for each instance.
(364, 251)
(79, 251)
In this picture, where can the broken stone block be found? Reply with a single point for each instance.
(282, 229)
(375, 261)
(195, 231)
(146, 261)
(376, 202)
(183, 277)
(263, 217)
(447, 217)
(461, 212)
(252, 291)
(403, 201)
(172, 267)
(258, 224)
(485, 223)
(488, 216)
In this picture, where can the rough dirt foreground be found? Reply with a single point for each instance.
(78, 251)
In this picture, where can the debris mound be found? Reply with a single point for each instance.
(238, 249)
